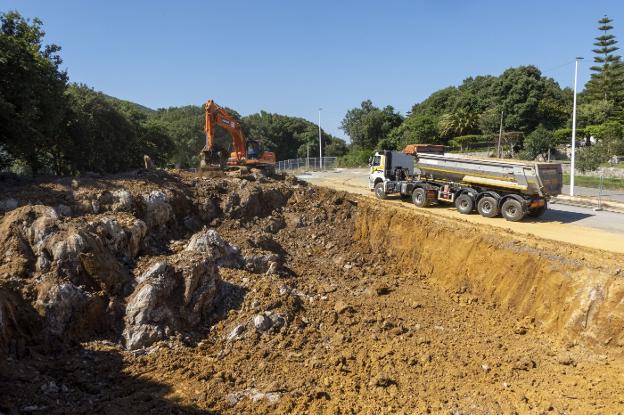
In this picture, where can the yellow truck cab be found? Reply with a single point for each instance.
(386, 165)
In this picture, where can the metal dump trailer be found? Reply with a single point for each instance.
(530, 178)
(490, 186)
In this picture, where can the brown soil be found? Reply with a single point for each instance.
(382, 312)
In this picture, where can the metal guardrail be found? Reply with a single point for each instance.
(307, 164)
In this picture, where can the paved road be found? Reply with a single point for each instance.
(615, 195)
(578, 225)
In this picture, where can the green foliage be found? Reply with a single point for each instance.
(356, 157)
(610, 136)
(538, 142)
(589, 158)
(291, 137)
(102, 138)
(437, 103)
(184, 125)
(335, 148)
(594, 112)
(32, 102)
(607, 79)
(465, 141)
(489, 121)
(459, 122)
(526, 98)
(367, 125)
(415, 129)
(564, 135)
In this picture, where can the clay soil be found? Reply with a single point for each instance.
(374, 326)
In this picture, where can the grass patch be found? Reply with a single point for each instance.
(591, 181)
(618, 165)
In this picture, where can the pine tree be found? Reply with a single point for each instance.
(607, 79)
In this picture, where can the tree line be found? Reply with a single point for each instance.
(51, 126)
(532, 110)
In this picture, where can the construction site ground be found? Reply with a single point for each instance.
(564, 221)
(371, 308)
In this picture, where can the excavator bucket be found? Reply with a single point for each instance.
(211, 163)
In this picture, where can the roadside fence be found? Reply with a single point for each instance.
(307, 164)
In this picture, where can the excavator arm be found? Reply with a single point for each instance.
(216, 115)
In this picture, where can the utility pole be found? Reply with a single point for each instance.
(320, 143)
(500, 137)
(572, 164)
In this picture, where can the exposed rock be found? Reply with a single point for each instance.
(261, 263)
(236, 332)
(251, 200)
(122, 200)
(124, 238)
(62, 305)
(172, 296)
(262, 323)
(157, 210)
(209, 243)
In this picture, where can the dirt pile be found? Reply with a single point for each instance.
(95, 262)
(257, 295)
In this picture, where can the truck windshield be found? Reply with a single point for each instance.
(376, 161)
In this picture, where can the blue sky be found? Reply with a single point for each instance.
(292, 57)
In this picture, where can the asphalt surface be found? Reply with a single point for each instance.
(615, 195)
(611, 222)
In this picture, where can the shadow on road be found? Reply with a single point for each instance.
(555, 215)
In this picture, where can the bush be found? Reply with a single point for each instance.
(355, 158)
(590, 158)
(538, 143)
(610, 136)
(465, 141)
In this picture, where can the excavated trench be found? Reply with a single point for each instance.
(157, 292)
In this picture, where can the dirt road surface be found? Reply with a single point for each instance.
(575, 225)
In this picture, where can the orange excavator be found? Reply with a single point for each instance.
(244, 153)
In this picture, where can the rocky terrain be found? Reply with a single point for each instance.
(157, 292)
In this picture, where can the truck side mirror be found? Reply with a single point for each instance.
(370, 161)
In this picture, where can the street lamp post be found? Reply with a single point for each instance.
(572, 164)
(320, 142)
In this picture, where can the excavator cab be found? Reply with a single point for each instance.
(254, 150)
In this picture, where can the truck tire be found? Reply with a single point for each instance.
(380, 192)
(488, 207)
(512, 210)
(536, 213)
(419, 197)
(464, 203)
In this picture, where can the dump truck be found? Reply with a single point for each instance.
(514, 189)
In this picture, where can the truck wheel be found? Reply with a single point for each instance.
(536, 213)
(464, 203)
(419, 197)
(488, 207)
(380, 192)
(512, 210)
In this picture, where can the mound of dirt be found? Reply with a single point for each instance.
(162, 293)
